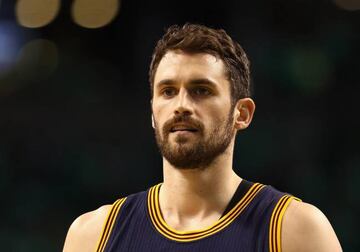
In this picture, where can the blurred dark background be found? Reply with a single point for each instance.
(75, 128)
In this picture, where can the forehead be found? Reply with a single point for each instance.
(180, 66)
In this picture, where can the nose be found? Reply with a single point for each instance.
(184, 104)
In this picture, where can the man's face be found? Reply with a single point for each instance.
(191, 106)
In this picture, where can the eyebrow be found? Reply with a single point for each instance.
(193, 82)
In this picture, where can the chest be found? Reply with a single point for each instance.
(136, 231)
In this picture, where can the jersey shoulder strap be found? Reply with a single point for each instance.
(109, 224)
(277, 215)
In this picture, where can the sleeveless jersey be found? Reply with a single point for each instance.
(135, 223)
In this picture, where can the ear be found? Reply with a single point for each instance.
(243, 113)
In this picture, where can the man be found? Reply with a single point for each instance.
(200, 82)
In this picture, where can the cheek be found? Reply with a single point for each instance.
(217, 120)
(156, 123)
(161, 112)
(158, 120)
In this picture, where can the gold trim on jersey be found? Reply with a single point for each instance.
(275, 222)
(187, 236)
(109, 224)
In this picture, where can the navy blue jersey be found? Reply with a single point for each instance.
(253, 223)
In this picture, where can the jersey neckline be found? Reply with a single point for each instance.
(164, 229)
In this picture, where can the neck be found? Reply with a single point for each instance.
(198, 193)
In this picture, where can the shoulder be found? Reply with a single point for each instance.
(84, 232)
(306, 228)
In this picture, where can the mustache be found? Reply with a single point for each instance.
(184, 119)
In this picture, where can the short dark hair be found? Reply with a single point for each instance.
(194, 38)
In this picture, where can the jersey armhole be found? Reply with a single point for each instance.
(276, 220)
(108, 225)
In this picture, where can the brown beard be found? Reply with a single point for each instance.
(202, 152)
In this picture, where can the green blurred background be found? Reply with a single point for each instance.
(75, 125)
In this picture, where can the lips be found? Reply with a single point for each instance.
(183, 127)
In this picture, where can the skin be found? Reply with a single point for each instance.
(193, 199)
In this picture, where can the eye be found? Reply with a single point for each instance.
(168, 92)
(201, 91)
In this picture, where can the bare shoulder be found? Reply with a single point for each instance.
(84, 232)
(306, 228)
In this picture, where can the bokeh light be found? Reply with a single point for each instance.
(94, 13)
(36, 13)
(9, 45)
(37, 60)
(350, 5)
(309, 68)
